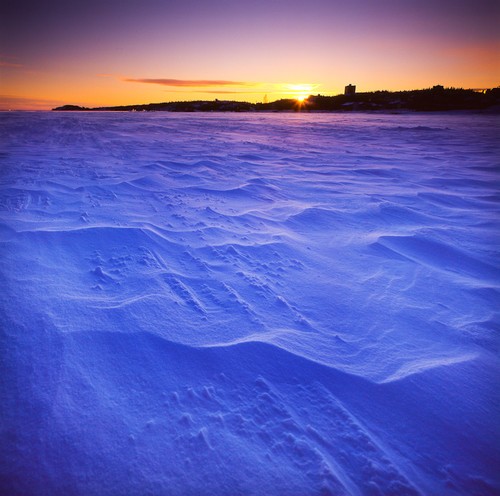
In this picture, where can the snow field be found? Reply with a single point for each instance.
(247, 304)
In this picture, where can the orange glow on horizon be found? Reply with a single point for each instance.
(190, 50)
(301, 92)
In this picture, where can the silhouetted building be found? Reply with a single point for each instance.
(350, 89)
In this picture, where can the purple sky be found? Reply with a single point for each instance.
(108, 52)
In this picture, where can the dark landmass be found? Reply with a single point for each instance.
(432, 99)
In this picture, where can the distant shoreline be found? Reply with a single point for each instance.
(479, 111)
(436, 99)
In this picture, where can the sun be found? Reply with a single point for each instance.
(300, 92)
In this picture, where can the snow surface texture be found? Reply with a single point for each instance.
(278, 304)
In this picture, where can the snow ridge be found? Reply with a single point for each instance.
(248, 304)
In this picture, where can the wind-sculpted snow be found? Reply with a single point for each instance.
(273, 304)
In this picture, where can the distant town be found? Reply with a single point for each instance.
(437, 98)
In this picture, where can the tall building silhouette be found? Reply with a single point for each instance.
(350, 89)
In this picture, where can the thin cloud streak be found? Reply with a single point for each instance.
(10, 64)
(189, 83)
(12, 102)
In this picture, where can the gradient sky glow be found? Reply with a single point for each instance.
(117, 52)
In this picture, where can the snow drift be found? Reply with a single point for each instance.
(249, 304)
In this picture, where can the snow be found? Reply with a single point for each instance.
(250, 304)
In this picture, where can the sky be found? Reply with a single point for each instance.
(118, 52)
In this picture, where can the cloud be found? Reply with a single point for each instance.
(4, 63)
(10, 102)
(189, 83)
